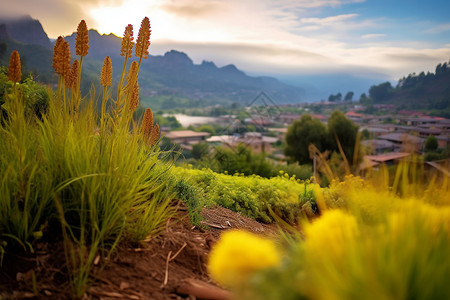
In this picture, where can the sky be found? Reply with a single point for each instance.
(364, 38)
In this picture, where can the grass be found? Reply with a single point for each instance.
(88, 177)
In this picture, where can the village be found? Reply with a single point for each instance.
(385, 138)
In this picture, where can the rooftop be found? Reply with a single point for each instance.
(387, 156)
(186, 134)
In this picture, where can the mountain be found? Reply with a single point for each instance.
(24, 29)
(174, 78)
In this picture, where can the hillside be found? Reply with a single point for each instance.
(422, 91)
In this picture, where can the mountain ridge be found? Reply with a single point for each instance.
(172, 75)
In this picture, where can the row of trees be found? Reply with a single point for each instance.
(338, 97)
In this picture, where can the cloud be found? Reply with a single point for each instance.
(57, 17)
(192, 8)
(305, 4)
(439, 28)
(328, 20)
(373, 35)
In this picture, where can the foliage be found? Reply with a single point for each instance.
(341, 137)
(252, 196)
(373, 240)
(34, 95)
(189, 194)
(421, 91)
(344, 135)
(381, 93)
(90, 181)
(241, 160)
(169, 121)
(431, 144)
(301, 134)
(199, 150)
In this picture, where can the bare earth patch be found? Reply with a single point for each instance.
(169, 266)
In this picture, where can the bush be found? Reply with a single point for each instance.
(373, 241)
(253, 195)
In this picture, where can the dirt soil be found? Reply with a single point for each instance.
(169, 266)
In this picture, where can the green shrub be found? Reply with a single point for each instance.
(253, 196)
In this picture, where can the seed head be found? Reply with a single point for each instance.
(134, 100)
(143, 40)
(64, 59)
(147, 123)
(14, 70)
(82, 40)
(106, 75)
(56, 51)
(127, 42)
(131, 78)
(72, 79)
(154, 136)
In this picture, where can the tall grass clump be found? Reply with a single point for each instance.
(94, 178)
(373, 240)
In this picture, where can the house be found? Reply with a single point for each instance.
(255, 140)
(380, 146)
(387, 158)
(407, 142)
(443, 140)
(187, 138)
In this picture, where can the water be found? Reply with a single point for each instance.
(186, 120)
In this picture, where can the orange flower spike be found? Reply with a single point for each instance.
(73, 78)
(147, 123)
(106, 74)
(82, 39)
(64, 59)
(154, 136)
(131, 78)
(134, 101)
(56, 51)
(143, 40)
(127, 42)
(14, 70)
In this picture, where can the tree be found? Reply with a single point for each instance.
(343, 131)
(381, 92)
(431, 144)
(349, 96)
(199, 150)
(301, 133)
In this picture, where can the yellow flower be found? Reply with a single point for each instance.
(238, 255)
(330, 235)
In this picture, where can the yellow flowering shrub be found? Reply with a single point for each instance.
(372, 241)
(238, 255)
